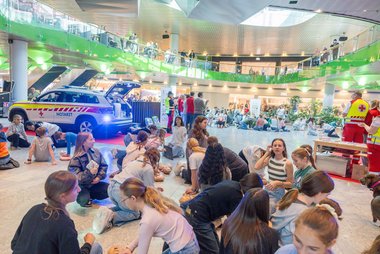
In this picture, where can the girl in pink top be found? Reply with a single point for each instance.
(160, 217)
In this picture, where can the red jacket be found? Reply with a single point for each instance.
(190, 105)
(180, 105)
(371, 114)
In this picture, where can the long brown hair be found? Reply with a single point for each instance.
(56, 184)
(320, 220)
(375, 248)
(197, 130)
(284, 153)
(246, 230)
(152, 156)
(152, 197)
(311, 185)
(305, 151)
(81, 138)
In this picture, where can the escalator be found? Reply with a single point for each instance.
(48, 77)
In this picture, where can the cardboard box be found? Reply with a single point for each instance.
(333, 164)
(358, 171)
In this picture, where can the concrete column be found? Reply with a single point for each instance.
(174, 39)
(328, 99)
(19, 69)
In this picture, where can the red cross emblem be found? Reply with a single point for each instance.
(41, 113)
(362, 108)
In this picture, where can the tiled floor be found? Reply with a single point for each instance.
(23, 187)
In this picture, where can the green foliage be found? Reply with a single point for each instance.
(329, 115)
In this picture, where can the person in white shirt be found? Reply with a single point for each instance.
(195, 161)
(178, 138)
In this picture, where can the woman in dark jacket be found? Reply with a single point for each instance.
(90, 167)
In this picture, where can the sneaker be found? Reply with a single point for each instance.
(103, 220)
(114, 152)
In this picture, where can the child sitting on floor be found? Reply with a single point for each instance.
(41, 148)
(6, 162)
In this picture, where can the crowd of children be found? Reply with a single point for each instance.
(271, 207)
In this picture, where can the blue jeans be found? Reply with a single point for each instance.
(191, 248)
(96, 248)
(274, 197)
(122, 213)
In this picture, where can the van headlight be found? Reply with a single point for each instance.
(107, 118)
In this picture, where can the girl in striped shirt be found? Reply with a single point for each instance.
(280, 171)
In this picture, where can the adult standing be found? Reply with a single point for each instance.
(354, 114)
(372, 113)
(180, 104)
(199, 105)
(373, 145)
(190, 111)
(90, 167)
(33, 94)
(169, 105)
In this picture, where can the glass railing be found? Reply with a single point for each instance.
(40, 15)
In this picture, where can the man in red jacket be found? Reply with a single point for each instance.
(190, 111)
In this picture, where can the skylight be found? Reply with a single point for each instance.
(277, 17)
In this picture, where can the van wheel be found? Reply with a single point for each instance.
(86, 124)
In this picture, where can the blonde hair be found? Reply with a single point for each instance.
(193, 144)
(152, 197)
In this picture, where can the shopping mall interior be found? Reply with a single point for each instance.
(291, 65)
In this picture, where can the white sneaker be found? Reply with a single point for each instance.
(179, 167)
(103, 220)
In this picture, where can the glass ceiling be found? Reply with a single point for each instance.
(278, 17)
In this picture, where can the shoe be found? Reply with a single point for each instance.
(103, 220)
(114, 152)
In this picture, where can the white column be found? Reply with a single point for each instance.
(19, 69)
(174, 43)
(328, 99)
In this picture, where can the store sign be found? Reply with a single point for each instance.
(255, 107)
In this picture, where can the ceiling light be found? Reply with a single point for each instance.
(180, 83)
(204, 53)
(345, 85)
(195, 84)
(278, 17)
(284, 54)
(150, 81)
(217, 54)
(318, 11)
(251, 54)
(165, 82)
(238, 87)
(257, 58)
(302, 53)
(267, 54)
(210, 85)
(235, 54)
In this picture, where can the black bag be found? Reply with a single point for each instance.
(168, 153)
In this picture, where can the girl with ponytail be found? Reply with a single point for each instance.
(160, 217)
(314, 188)
(47, 228)
(304, 162)
(316, 231)
(143, 168)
